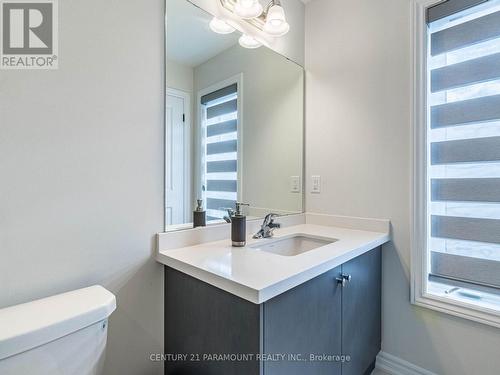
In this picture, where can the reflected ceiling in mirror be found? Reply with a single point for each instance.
(234, 124)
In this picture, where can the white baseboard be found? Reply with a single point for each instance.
(392, 365)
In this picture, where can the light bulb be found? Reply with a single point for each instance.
(220, 27)
(247, 41)
(248, 8)
(276, 24)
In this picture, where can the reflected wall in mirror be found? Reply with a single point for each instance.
(234, 123)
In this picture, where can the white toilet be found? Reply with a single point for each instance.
(59, 335)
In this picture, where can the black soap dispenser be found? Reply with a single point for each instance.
(239, 226)
(199, 215)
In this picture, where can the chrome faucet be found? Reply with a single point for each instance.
(230, 214)
(268, 226)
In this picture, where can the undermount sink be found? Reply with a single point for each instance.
(291, 246)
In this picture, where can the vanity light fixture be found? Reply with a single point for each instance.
(247, 41)
(220, 27)
(276, 24)
(247, 9)
(271, 19)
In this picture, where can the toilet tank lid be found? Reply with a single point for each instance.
(31, 324)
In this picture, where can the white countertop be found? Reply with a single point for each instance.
(258, 276)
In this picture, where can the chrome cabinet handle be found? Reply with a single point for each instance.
(344, 279)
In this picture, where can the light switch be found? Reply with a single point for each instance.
(295, 184)
(316, 184)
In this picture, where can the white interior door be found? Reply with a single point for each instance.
(176, 163)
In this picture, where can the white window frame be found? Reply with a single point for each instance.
(419, 252)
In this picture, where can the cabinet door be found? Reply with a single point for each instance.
(304, 321)
(203, 322)
(361, 313)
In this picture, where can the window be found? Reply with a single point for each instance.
(219, 150)
(456, 249)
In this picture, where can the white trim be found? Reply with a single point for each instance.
(238, 79)
(392, 365)
(186, 97)
(419, 155)
(350, 222)
(419, 254)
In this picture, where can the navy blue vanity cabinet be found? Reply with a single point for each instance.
(303, 322)
(328, 325)
(361, 313)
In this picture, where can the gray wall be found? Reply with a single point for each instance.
(180, 77)
(81, 172)
(358, 139)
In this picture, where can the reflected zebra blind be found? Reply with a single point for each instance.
(220, 162)
(464, 142)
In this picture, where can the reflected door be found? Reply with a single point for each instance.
(175, 160)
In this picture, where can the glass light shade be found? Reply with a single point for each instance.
(276, 24)
(247, 41)
(220, 27)
(248, 8)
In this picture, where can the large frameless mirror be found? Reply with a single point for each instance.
(234, 124)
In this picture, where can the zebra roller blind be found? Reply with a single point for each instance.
(464, 143)
(220, 150)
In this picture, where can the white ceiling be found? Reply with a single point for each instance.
(189, 39)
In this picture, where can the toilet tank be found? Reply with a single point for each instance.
(60, 335)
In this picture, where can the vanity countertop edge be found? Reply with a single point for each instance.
(258, 276)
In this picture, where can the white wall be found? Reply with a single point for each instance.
(273, 96)
(179, 76)
(358, 139)
(81, 172)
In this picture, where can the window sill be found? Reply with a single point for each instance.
(459, 307)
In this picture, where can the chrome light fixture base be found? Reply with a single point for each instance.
(271, 21)
(258, 22)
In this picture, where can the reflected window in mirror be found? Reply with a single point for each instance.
(220, 147)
